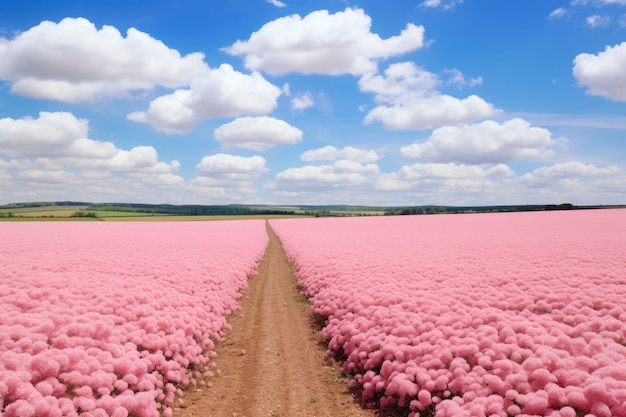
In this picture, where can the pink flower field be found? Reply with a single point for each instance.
(115, 319)
(508, 314)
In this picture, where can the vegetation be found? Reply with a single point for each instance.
(69, 210)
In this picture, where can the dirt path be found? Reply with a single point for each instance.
(270, 362)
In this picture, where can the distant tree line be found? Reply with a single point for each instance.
(477, 209)
(191, 210)
(83, 213)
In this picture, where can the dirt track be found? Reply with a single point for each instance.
(270, 362)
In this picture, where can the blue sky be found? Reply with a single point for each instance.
(313, 102)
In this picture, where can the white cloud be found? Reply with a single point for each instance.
(277, 3)
(331, 153)
(49, 134)
(457, 78)
(485, 142)
(447, 171)
(573, 181)
(428, 112)
(558, 13)
(323, 43)
(597, 20)
(603, 74)
(231, 167)
(224, 178)
(414, 101)
(399, 83)
(221, 92)
(57, 61)
(302, 101)
(444, 4)
(59, 140)
(608, 2)
(257, 133)
(54, 159)
(339, 175)
(572, 169)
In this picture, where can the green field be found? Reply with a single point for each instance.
(64, 213)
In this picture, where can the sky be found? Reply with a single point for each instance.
(448, 102)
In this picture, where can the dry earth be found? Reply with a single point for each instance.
(271, 363)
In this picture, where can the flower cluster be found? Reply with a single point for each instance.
(115, 319)
(511, 314)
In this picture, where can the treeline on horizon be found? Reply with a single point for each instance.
(317, 210)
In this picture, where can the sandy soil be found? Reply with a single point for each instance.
(271, 363)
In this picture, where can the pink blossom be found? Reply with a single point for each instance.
(99, 322)
(487, 300)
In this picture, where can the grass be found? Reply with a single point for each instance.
(63, 213)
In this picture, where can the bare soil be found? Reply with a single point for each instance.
(271, 363)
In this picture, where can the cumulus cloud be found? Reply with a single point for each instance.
(428, 112)
(50, 134)
(59, 139)
(302, 101)
(603, 74)
(436, 182)
(485, 142)
(453, 171)
(339, 175)
(573, 169)
(575, 180)
(331, 153)
(409, 99)
(399, 83)
(257, 133)
(323, 43)
(231, 167)
(73, 61)
(219, 92)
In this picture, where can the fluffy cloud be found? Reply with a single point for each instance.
(220, 92)
(447, 171)
(571, 170)
(351, 169)
(485, 142)
(573, 181)
(399, 83)
(331, 153)
(49, 135)
(257, 133)
(603, 74)
(54, 159)
(231, 167)
(73, 61)
(409, 99)
(339, 175)
(428, 112)
(301, 102)
(224, 178)
(59, 140)
(323, 43)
